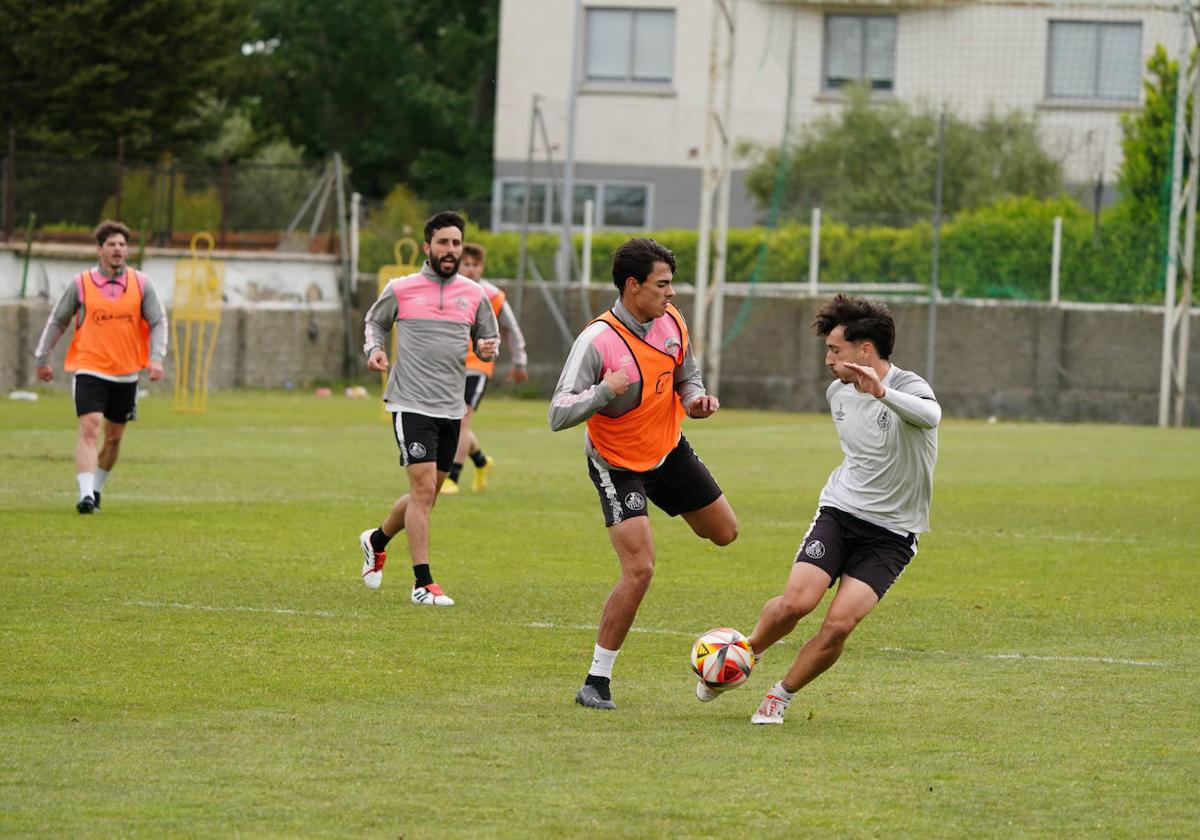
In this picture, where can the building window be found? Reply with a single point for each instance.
(616, 205)
(860, 49)
(633, 46)
(625, 206)
(1094, 60)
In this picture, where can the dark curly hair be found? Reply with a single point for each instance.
(864, 320)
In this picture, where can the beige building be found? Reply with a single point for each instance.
(641, 93)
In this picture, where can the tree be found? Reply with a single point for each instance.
(1144, 180)
(76, 76)
(403, 89)
(875, 161)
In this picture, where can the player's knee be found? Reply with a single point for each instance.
(725, 533)
(639, 571)
(796, 604)
(836, 629)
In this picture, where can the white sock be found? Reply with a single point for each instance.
(782, 693)
(86, 482)
(602, 662)
(101, 477)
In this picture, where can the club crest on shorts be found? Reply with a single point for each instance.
(416, 449)
(635, 501)
(815, 549)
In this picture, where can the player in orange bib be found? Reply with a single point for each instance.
(479, 372)
(632, 377)
(120, 329)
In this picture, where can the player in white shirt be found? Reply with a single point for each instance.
(872, 508)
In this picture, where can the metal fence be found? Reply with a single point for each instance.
(244, 205)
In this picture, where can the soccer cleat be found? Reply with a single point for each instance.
(706, 693)
(449, 487)
(372, 570)
(479, 479)
(86, 505)
(97, 496)
(589, 697)
(771, 710)
(431, 596)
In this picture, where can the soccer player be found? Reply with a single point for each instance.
(120, 329)
(632, 376)
(437, 313)
(873, 505)
(479, 372)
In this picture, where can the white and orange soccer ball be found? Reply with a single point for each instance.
(722, 658)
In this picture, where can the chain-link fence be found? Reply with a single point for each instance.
(243, 205)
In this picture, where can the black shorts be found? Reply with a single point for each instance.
(117, 401)
(680, 484)
(477, 383)
(423, 439)
(842, 544)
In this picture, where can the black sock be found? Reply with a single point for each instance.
(601, 684)
(422, 575)
(478, 458)
(455, 472)
(379, 540)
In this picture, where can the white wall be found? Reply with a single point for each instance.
(250, 278)
(973, 56)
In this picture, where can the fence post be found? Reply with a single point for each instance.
(814, 251)
(120, 177)
(1055, 260)
(10, 183)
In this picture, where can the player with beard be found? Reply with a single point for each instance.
(437, 312)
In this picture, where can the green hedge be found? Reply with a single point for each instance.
(1002, 250)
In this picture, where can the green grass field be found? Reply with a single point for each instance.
(201, 658)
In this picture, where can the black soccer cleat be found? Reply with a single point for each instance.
(86, 505)
(589, 697)
(97, 495)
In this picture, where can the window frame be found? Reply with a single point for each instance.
(630, 79)
(862, 79)
(550, 188)
(1095, 97)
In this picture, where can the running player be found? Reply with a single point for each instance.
(479, 372)
(437, 313)
(632, 376)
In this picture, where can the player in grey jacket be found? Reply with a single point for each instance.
(437, 313)
(874, 504)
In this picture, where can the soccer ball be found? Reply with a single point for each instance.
(722, 658)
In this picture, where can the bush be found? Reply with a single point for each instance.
(1000, 250)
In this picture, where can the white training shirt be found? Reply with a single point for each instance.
(890, 446)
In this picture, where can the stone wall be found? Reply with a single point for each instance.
(1010, 360)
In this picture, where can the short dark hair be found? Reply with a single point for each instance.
(636, 259)
(107, 228)
(446, 218)
(475, 250)
(862, 319)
